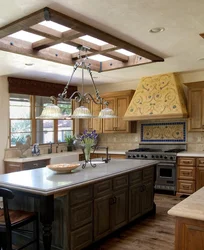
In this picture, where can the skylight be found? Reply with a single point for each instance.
(93, 40)
(26, 36)
(55, 26)
(125, 52)
(65, 47)
(100, 58)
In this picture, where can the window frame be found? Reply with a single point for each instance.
(33, 120)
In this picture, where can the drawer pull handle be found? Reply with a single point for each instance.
(185, 187)
(186, 173)
(35, 164)
(186, 162)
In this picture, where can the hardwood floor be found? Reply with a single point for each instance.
(153, 233)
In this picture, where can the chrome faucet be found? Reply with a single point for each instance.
(50, 149)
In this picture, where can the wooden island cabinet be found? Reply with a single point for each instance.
(94, 203)
(189, 217)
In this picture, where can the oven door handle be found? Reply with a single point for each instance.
(166, 164)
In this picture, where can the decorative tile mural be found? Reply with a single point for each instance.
(163, 132)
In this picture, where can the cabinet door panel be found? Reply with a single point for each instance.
(122, 105)
(134, 202)
(102, 217)
(82, 237)
(120, 209)
(199, 177)
(96, 122)
(147, 197)
(81, 215)
(79, 195)
(195, 109)
(109, 124)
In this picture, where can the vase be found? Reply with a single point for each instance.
(69, 147)
(87, 151)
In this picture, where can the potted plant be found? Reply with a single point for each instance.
(69, 140)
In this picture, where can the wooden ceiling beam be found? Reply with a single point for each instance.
(44, 31)
(17, 46)
(66, 36)
(134, 60)
(94, 32)
(25, 22)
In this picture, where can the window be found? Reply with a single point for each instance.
(24, 109)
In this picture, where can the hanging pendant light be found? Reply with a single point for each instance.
(52, 111)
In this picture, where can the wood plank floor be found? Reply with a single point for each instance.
(153, 233)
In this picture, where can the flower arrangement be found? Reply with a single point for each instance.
(89, 137)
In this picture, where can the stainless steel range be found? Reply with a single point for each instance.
(166, 168)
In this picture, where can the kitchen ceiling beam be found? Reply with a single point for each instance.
(17, 46)
(24, 23)
(44, 31)
(66, 36)
(91, 31)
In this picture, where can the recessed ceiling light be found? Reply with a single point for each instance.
(29, 64)
(157, 30)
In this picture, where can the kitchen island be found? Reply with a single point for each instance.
(189, 230)
(84, 206)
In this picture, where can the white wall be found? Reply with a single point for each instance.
(4, 123)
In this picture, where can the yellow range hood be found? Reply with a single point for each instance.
(157, 97)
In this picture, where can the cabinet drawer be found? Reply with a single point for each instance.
(102, 188)
(81, 195)
(82, 237)
(12, 167)
(184, 186)
(135, 177)
(186, 173)
(148, 173)
(81, 215)
(200, 162)
(120, 182)
(186, 161)
(35, 164)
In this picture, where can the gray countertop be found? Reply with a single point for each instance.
(45, 182)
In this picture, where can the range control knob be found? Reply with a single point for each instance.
(157, 156)
(145, 156)
(138, 155)
(142, 155)
(129, 156)
(171, 158)
(133, 156)
(165, 157)
(152, 156)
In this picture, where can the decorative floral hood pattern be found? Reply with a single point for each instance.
(159, 96)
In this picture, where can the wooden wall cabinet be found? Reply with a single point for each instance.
(196, 106)
(190, 175)
(119, 102)
(18, 166)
